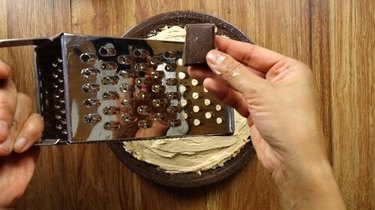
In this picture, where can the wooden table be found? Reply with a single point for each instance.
(335, 38)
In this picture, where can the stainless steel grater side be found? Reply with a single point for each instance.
(92, 89)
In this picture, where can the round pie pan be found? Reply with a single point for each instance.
(152, 172)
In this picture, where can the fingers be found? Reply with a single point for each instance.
(30, 133)
(27, 127)
(240, 77)
(258, 58)
(200, 73)
(18, 113)
(8, 100)
(227, 95)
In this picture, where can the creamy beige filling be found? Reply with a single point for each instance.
(190, 154)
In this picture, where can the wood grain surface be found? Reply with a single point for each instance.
(335, 38)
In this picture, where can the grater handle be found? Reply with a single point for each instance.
(22, 42)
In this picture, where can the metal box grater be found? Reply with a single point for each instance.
(92, 89)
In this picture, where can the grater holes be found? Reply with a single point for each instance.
(59, 127)
(110, 110)
(90, 88)
(144, 110)
(182, 88)
(180, 62)
(129, 117)
(194, 82)
(92, 118)
(159, 116)
(158, 88)
(109, 66)
(196, 109)
(175, 122)
(127, 88)
(140, 67)
(58, 116)
(173, 95)
(141, 82)
(110, 80)
(207, 102)
(110, 95)
(145, 123)
(218, 107)
(111, 125)
(143, 95)
(157, 74)
(184, 116)
(141, 53)
(182, 75)
(91, 103)
(195, 95)
(107, 50)
(125, 59)
(88, 57)
(127, 103)
(125, 74)
(159, 102)
(169, 55)
(208, 115)
(197, 122)
(170, 67)
(183, 102)
(90, 72)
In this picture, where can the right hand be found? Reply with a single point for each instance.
(275, 93)
(278, 97)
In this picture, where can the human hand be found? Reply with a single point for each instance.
(277, 96)
(19, 130)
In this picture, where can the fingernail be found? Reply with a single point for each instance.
(4, 130)
(20, 144)
(5, 147)
(215, 58)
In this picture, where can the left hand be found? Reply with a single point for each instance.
(20, 128)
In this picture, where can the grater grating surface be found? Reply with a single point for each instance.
(100, 88)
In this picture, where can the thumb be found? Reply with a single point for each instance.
(240, 77)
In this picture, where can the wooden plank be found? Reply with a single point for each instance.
(3, 30)
(320, 63)
(352, 44)
(52, 178)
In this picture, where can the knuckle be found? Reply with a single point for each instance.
(233, 68)
(24, 99)
(7, 108)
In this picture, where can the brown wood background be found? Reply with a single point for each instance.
(334, 37)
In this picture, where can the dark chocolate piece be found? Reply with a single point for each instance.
(200, 39)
